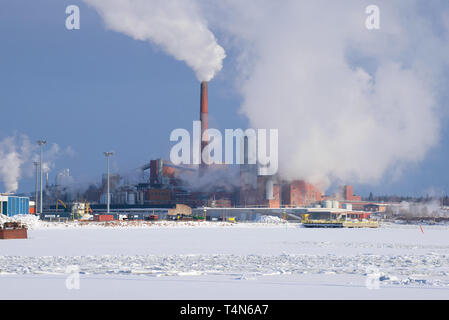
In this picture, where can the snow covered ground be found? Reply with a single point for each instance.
(223, 261)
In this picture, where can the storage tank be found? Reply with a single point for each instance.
(269, 189)
(131, 199)
(104, 198)
(335, 204)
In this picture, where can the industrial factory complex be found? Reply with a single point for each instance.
(169, 191)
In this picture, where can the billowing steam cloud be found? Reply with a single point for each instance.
(17, 154)
(351, 104)
(14, 152)
(175, 25)
(52, 152)
(420, 210)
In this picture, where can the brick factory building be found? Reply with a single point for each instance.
(348, 194)
(300, 193)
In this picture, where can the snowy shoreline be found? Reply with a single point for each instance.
(257, 259)
(33, 222)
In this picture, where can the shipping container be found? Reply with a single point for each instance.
(12, 205)
(104, 217)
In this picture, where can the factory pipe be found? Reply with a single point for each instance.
(108, 202)
(36, 200)
(204, 118)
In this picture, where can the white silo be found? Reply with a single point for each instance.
(269, 188)
(335, 204)
(131, 199)
(327, 204)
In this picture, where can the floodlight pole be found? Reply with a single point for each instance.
(41, 144)
(108, 155)
(36, 164)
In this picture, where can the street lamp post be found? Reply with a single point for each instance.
(108, 155)
(41, 144)
(36, 164)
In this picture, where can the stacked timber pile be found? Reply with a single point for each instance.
(181, 212)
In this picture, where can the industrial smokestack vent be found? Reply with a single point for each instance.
(204, 118)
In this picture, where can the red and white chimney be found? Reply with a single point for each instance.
(204, 115)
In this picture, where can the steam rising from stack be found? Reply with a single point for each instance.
(14, 152)
(17, 154)
(350, 104)
(420, 210)
(204, 118)
(177, 26)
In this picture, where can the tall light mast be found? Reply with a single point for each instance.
(41, 144)
(36, 164)
(108, 155)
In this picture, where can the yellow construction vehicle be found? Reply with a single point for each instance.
(339, 221)
(232, 220)
(60, 201)
(81, 210)
(321, 223)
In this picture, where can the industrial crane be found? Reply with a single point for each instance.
(60, 201)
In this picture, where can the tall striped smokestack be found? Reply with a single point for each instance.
(204, 115)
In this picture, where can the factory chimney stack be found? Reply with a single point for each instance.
(204, 114)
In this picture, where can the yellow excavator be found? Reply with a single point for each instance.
(232, 220)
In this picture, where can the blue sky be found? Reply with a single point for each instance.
(97, 90)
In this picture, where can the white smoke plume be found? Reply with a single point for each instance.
(177, 26)
(52, 152)
(17, 154)
(351, 104)
(14, 153)
(420, 210)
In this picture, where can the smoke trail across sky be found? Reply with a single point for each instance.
(175, 25)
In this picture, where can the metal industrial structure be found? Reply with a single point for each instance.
(41, 144)
(36, 165)
(11, 205)
(218, 192)
(108, 155)
(204, 118)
